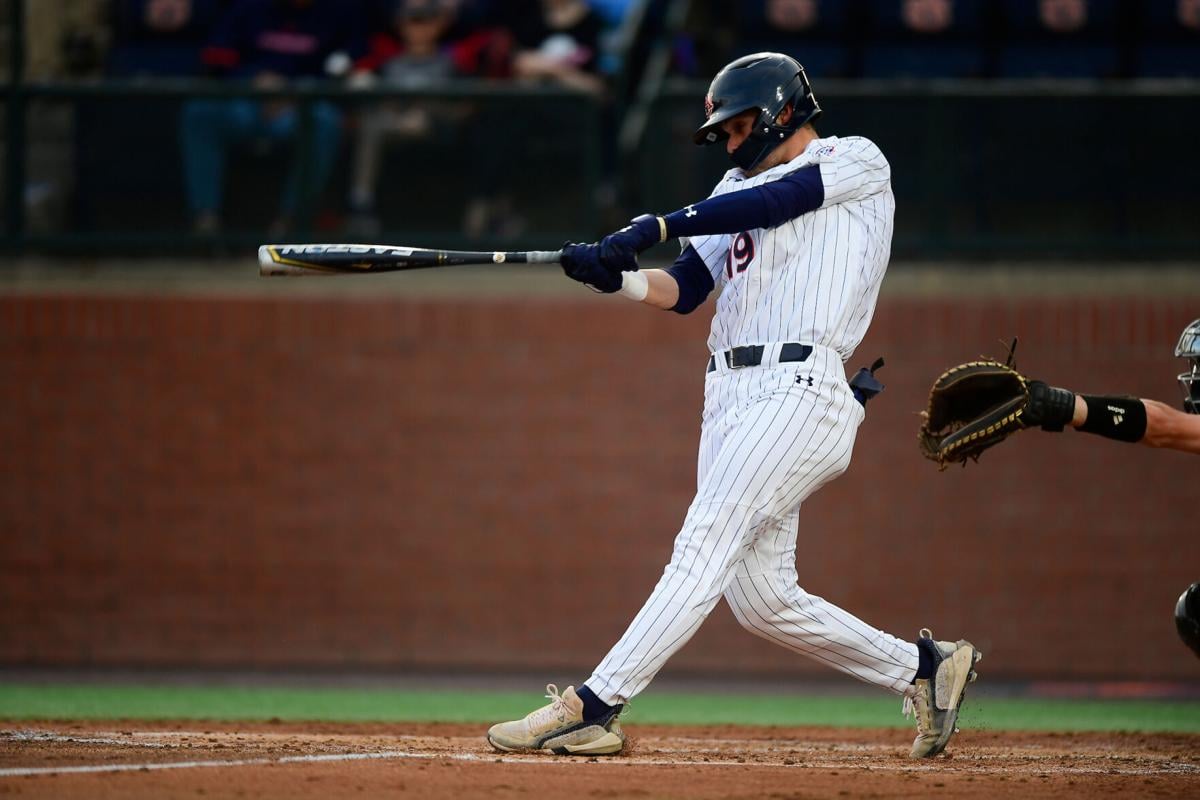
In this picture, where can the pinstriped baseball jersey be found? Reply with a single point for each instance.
(775, 433)
(814, 279)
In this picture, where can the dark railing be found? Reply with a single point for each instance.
(1079, 170)
(14, 126)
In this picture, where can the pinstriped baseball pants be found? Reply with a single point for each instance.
(772, 435)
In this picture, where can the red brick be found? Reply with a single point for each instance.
(496, 484)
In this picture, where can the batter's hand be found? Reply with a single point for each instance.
(619, 251)
(581, 262)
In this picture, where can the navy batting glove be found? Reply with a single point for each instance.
(619, 251)
(581, 262)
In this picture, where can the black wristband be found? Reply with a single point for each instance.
(1120, 418)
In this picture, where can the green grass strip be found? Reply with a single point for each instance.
(23, 702)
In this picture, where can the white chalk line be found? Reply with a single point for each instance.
(241, 762)
(1168, 768)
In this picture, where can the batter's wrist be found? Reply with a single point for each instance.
(649, 230)
(634, 285)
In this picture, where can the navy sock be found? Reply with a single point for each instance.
(593, 707)
(925, 648)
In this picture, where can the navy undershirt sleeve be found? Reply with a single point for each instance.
(765, 206)
(694, 279)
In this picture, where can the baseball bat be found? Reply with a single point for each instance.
(335, 259)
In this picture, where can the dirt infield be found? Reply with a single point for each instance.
(191, 759)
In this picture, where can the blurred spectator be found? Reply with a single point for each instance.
(1059, 39)
(469, 16)
(269, 43)
(811, 31)
(559, 42)
(616, 18)
(611, 12)
(65, 38)
(159, 37)
(1170, 44)
(925, 39)
(416, 53)
(555, 41)
(707, 41)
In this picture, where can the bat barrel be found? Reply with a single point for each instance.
(269, 267)
(333, 259)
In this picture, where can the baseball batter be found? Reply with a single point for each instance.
(797, 236)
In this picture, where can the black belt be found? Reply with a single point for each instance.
(752, 356)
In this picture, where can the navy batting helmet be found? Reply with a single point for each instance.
(1187, 617)
(765, 81)
(1189, 348)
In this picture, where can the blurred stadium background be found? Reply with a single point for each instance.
(480, 471)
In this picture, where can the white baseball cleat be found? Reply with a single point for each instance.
(935, 701)
(560, 728)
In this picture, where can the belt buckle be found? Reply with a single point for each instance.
(731, 359)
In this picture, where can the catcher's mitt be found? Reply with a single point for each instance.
(981, 403)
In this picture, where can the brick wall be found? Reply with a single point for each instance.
(496, 484)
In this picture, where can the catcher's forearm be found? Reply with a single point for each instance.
(1170, 427)
(1119, 418)
(1080, 413)
(1132, 419)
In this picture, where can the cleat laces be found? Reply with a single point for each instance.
(915, 696)
(910, 710)
(556, 711)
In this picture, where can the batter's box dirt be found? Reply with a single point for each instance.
(190, 759)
